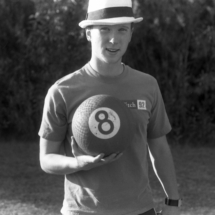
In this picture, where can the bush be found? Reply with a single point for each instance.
(38, 48)
(176, 44)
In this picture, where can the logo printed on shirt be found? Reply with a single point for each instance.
(141, 104)
(136, 104)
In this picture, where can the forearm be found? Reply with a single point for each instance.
(53, 162)
(164, 168)
(59, 164)
(165, 171)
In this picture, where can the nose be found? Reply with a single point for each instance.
(114, 39)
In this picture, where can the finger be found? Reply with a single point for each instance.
(73, 140)
(115, 155)
(109, 158)
(75, 148)
(99, 157)
(119, 155)
(73, 143)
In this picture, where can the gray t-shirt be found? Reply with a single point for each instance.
(121, 187)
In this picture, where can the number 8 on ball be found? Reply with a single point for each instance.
(104, 123)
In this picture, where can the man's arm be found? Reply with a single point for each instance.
(163, 165)
(53, 162)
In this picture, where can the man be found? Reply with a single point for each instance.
(117, 184)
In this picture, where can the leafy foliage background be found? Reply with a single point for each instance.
(176, 44)
(41, 41)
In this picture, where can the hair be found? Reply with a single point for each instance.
(132, 26)
(89, 27)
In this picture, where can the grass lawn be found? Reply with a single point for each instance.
(195, 169)
(26, 190)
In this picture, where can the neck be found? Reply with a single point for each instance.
(107, 69)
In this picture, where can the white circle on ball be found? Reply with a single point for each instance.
(104, 123)
(101, 116)
(106, 126)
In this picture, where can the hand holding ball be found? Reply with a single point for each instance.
(102, 124)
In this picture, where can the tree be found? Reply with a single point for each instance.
(176, 44)
(38, 48)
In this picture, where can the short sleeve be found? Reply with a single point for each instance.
(54, 120)
(159, 124)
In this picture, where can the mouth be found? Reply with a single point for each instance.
(112, 50)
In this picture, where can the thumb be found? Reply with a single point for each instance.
(76, 150)
(74, 145)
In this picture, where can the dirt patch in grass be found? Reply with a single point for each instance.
(26, 190)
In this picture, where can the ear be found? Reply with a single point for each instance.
(132, 30)
(88, 34)
(131, 36)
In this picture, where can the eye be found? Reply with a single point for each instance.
(104, 29)
(123, 29)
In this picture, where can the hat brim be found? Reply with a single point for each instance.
(110, 21)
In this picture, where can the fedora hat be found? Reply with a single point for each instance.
(109, 12)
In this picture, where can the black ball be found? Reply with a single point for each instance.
(103, 124)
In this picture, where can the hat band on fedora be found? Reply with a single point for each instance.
(111, 12)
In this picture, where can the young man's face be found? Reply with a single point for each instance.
(109, 43)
